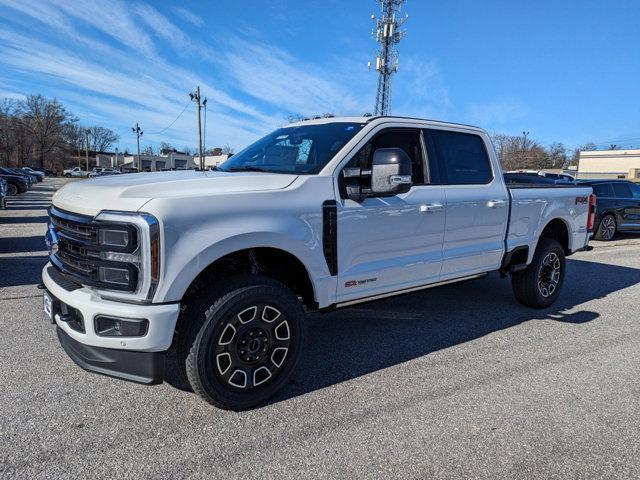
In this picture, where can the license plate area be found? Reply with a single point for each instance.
(47, 307)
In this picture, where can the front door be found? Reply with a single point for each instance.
(393, 242)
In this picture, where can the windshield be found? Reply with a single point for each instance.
(301, 150)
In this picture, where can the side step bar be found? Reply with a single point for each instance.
(407, 290)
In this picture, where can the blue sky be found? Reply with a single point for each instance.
(565, 71)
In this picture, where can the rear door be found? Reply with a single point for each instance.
(626, 205)
(392, 242)
(476, 203)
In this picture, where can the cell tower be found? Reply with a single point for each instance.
(388, 34)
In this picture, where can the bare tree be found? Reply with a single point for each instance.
(557, 155)
(575, 158)
(8, 133)
(148, 150)
(102, 138)
(45, 121)
(167, 147)
(227, 150)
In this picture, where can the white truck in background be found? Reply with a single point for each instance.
(75, 172)
(317, 215)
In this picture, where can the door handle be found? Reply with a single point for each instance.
(431, 207)
(495, 203)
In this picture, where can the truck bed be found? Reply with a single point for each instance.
(533, 206)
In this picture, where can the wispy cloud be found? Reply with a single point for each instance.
(162, 27)
(272, 75)
(188, 16)
(108, 61)
(423, 90)
(496, 113)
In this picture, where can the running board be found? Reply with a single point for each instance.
(407, 290)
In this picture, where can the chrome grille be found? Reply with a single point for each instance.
(78, 251)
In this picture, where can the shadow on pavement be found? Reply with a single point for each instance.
(356, 341)
(22, 244)
(23, 270)
(14, 220)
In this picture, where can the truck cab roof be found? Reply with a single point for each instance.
(378, 119)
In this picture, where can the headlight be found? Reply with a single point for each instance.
(113, 238)
(130, 250)
(118, 276)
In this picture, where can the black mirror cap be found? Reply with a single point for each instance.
(393, 156)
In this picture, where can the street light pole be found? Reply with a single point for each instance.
(138, 133)
(86, 147)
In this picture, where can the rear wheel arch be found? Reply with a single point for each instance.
(558, 230)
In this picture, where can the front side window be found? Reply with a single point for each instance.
(407, 139)
(462, 158)
(635, 190)
(301, 150)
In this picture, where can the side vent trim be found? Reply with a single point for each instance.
(330, 235)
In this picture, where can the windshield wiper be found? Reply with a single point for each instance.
(248, 168)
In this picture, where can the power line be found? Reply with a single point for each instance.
(174, 121)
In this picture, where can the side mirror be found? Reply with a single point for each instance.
(390, 172)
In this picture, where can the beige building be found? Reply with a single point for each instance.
(609, 164)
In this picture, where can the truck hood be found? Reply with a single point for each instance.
(129, 192)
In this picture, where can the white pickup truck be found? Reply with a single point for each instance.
(75, 172)
(317, 215)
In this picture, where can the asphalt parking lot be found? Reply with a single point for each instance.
(455, 382)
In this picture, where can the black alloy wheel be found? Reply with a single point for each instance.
(240, 340)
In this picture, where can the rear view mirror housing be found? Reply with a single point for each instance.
(390, 174)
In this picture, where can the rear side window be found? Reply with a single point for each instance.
(602, 190)
(622, 190)
(462, 158)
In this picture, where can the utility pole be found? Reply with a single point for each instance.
(388, 34)
(196, 97)
(138, 133)
(525, 134)
(86, 146)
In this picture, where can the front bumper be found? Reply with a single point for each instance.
(140, 367)
(138, 359)
(162, 318)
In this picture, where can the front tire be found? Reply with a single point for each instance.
(539, 285)
(607, 228)
(242, 341)
(12, 190)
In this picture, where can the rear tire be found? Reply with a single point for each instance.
(607, 228)
(12, 190)
(242, 340)
(539, 285)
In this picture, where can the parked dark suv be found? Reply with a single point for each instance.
(617, 209)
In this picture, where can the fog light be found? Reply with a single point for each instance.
(119, 276)
(121, 327)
